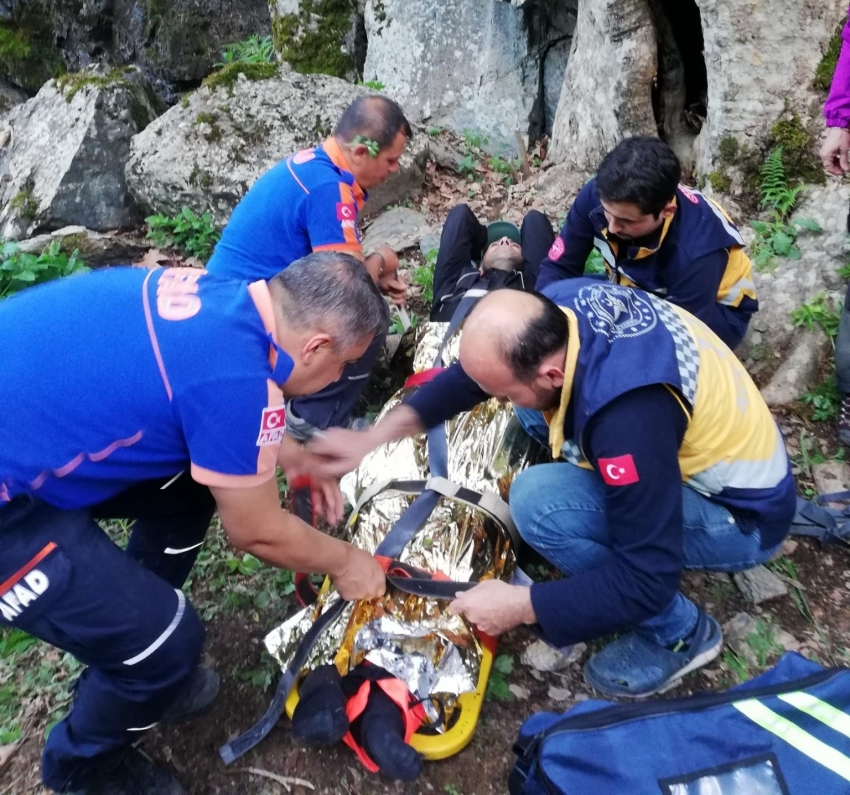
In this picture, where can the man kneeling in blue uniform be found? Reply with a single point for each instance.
(667, 458)
(157, 396)
(658, 235)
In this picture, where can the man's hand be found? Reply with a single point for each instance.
(339, 450)
(296, 462)
(386, 276)
(361, 577)
(327, 499)
(834, 151)
(495, 607)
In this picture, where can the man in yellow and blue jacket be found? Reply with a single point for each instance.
(658, 235)
(666, 458)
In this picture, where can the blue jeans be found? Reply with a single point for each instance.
(559, 509)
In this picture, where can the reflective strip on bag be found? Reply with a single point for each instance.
(827, 714)
(796, 737)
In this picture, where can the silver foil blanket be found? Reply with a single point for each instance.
(435, 653)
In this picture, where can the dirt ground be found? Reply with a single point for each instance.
(817, 616)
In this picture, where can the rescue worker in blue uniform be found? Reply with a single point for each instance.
(666, 457)
(157, 395)
(658, 235)
(312, 202)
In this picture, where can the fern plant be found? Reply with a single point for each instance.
(777, 237)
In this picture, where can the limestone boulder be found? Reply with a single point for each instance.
(206, 152)
(492, 67)
(64, 152)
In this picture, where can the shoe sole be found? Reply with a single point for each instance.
(703, 658)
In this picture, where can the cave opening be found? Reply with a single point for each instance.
(680, 92)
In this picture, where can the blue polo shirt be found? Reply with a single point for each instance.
(127, 374)
(309, 202)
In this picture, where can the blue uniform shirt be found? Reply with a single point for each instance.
(309, 202)
(127, 374)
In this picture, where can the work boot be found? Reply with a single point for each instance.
(128, 772)
(198, 693)
(844, 421)
(381, 732)
(634, 667)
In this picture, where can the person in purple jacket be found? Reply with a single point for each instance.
(834, 154)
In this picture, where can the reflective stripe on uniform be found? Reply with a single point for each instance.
(181, 607)
(796, 737)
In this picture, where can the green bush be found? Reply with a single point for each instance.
(193, 234)
(19, 270)
(251, 50)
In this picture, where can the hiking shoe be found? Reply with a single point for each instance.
(197, 695)
(634, 667)
(844, 422)
(128, 772)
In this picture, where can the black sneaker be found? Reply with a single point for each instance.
(200, 691)
(844, 422)
(128, 772)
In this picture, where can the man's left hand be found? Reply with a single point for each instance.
(495, 607)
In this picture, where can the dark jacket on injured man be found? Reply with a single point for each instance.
(695, 260)
(647, 381)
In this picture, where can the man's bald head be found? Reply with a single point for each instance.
(514, 345)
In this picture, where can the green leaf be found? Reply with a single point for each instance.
(782, 243)
(794, 253)
(504, 664)
(808, 223)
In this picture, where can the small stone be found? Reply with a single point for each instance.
(581, 697)
(399, 228)
(540, 656)
(519, 692)
(429, 242)
(759, 585)
(559, 693)
(789, 547)
(831, 476)
(739, 627)
(786, 640)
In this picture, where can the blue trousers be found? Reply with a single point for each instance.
(121, 613)
(559, 509)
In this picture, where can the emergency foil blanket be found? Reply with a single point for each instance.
(435, 653)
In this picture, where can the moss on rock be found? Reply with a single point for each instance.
(72, 82)
(729, 150)
(311, 41)
(29, 56)
(226, 77)
(720, 181)
(826, 68)
(24, 204)
(213, 133)
(802, 164)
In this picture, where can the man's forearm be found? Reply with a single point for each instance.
(401, 422)
(292, 544)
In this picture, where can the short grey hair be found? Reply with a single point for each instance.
(331, 292)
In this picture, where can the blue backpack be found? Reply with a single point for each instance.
(786, 732)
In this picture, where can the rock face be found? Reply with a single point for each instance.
(320, 36)
(63, 162)
(773, 338)
(608, 83)
(483, 66)
(760, 58)
(207, 154)
(174, 41)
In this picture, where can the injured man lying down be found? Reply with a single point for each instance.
(400, 678)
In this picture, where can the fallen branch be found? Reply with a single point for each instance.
(287, 781)
(523, 155)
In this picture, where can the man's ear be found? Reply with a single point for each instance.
(551, 374)
(314, 346)
(359, 152)
(669, 210)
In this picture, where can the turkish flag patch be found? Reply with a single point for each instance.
(619, 471)
(557, 249)
(272, 426)
(345, 212)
